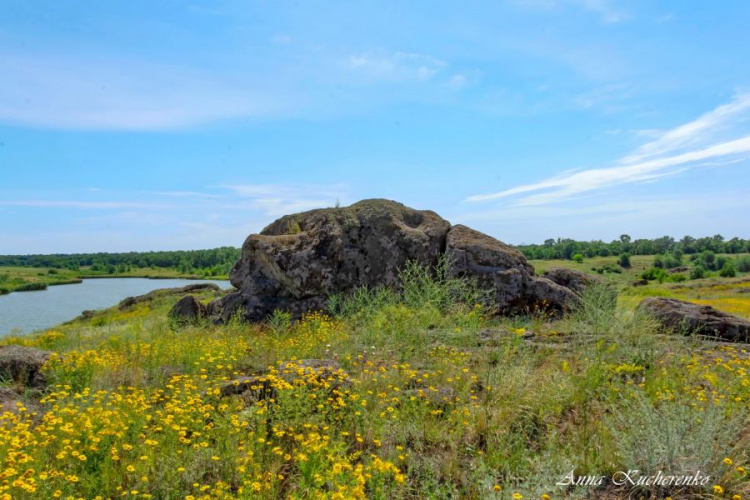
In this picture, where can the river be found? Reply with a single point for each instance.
(24, 312)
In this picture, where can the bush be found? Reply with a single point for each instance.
(4, 291)
(578, 258)
(624, 260)
(667, 261)
(32, 287)
(608, 268)
(655, 273)
(698, 272)
(742, 264)
(728, 271)
(672, 436)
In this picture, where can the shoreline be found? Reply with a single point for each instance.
(37, 285)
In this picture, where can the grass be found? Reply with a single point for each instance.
(638, 264)
(435, 398)
(15, 278)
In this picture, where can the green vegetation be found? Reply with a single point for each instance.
(31, 272)
(436, 398)
(214, 262)
(565, 248)
(31, 287)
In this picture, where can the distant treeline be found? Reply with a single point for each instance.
(214, 262)
(564, 248)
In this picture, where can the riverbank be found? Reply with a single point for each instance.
(21, 279)
(23, 313)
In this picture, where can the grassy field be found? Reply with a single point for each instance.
(18, 278)
(728, 294)
(434, 399)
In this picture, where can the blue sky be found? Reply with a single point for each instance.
(168, 125)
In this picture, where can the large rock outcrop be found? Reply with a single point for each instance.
(298, 261)
(686, 317)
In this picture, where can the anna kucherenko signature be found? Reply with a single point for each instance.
(635, 478)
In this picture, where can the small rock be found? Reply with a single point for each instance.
(163, 292)
(438, 396)
(680, 269)
(570, 278)
(188, 310)
(257, 387)
(9, 400)
(23, 365)
(686, 317)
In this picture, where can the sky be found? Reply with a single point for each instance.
(167, 125)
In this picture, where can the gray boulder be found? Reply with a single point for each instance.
(300, 260)
(188, 310)
(686, 317)
(570, 278)
(23, 365)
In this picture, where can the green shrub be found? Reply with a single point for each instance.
(727, 270)
(624, 260)
(672, 436)
(31, 287)
(655, 273)
(578, 258)
(425, 286)
(698, 272)
(667, 261)
(608, 268)
(742, 264)
(4, 291)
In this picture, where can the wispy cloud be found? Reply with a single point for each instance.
(696, 131)
(396, 66)
(275, 200)
(607, 10)
(671, 153)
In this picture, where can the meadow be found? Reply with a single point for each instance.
(431, 397)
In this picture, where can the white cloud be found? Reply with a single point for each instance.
(276, 200)
(606, 219)
(696, 131)
(457, 81)
(397, 66)
(666, 155)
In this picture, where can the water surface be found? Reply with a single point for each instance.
(24, 312)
